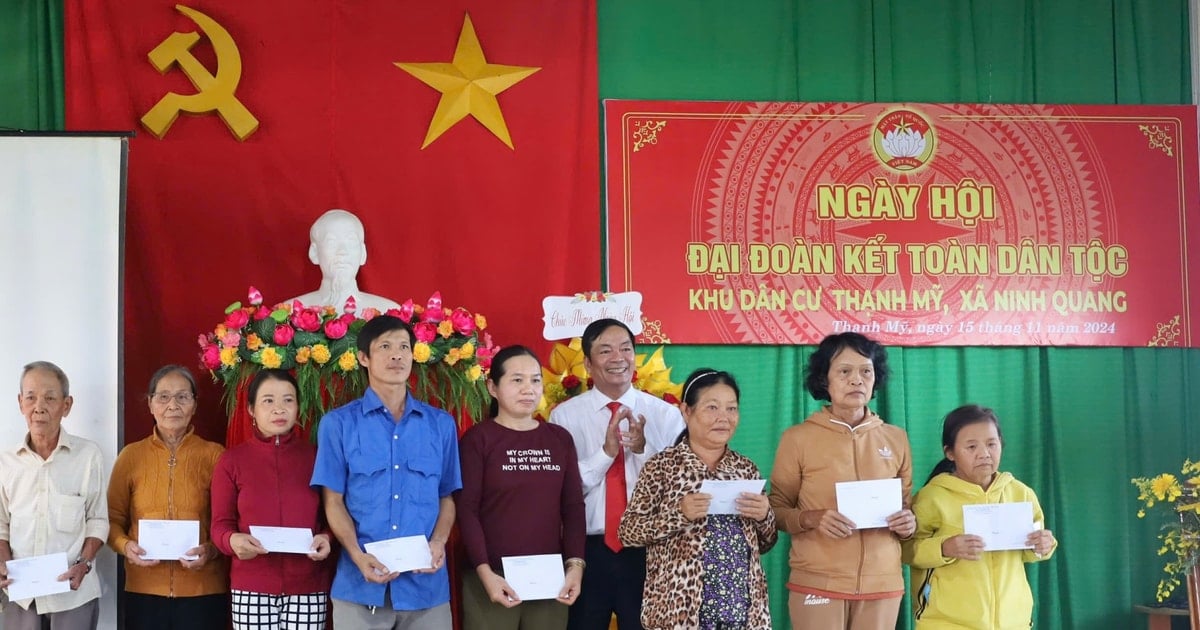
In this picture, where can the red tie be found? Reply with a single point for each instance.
(614, 491)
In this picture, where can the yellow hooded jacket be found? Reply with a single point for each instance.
(951, 594)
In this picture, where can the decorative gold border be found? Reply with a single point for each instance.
(652, 331)
(646, 132)
(1158, 138)
(1167, 334)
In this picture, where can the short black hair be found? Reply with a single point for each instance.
(379, 326)
(597, 328)
(265, 375)
(816, 376)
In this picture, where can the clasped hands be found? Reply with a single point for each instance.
(634, 439)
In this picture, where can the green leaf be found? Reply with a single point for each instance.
(233, 307)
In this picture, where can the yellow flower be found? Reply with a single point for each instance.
(475, 373)
(480, 321)
(229, 357)
(452, 356)
(421, 352)
(347, 361)
(445, 329)
(320, 354)
(1165, 487)
(253, 342)
(270, 358)
(302, 354)
(467, 350)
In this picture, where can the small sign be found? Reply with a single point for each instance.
(566, 316)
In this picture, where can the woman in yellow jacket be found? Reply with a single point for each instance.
(957, 583)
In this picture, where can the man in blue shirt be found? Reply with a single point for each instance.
(387, 464)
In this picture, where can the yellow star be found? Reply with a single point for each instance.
(469, 85)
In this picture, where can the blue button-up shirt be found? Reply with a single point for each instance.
(392, 476)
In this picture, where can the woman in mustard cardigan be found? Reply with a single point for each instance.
(166, 476)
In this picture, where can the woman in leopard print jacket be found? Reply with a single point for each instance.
(703, 566)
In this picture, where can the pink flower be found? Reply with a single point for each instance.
(255, 297)
(425, 332)
(336, 328)
(370, 313)
(261, 313)
(307, 319)
(237, 319)
(231, 339)
(351, 305)
(433, 309)
(204, 340)
(283, 334)
(463, 321)
(211, 357)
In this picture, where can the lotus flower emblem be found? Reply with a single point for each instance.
(904, 143)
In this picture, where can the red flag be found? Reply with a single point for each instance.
(341, 125)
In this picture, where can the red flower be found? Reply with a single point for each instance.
(211, 357)
(669, 397)
(337, 328)
(261, 313)
(463, 321)
(255, 297)
(237, 319)
(570, 382)
(307, 319)
(425, 332)
(351, 305)
(370, 313)
(283, 334)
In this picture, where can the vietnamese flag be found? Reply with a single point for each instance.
(341, 125)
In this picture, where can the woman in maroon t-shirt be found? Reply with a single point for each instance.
(521, 496)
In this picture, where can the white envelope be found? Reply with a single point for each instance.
(284, 539)
(402, 554)
(1002, 526)
(37, 576)
(168, 540)
(869, 503)
(726, 491)
(535, 577)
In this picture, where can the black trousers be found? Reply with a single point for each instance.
(612, 583)
(154, 612)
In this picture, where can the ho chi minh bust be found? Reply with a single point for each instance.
(337, 246)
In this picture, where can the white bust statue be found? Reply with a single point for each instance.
(338, 248)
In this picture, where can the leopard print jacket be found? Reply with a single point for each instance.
(674, 545)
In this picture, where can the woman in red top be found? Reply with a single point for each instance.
(264, 482)
(521, 496)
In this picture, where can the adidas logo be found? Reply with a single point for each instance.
(814, 600)
(885, 452)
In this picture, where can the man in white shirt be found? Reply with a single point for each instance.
(616, 428)
(53, 499)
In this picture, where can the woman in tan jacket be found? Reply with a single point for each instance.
(166, 476)
(842, 576)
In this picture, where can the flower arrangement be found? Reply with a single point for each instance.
(1180, 535)
(451, 353)
(564, 376)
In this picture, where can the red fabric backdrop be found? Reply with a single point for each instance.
(493, 228)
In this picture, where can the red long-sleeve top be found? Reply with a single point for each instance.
(264, 481)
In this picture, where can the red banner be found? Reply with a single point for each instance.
(467, 147)
(917, 224)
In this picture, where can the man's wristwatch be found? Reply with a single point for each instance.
(85, 562)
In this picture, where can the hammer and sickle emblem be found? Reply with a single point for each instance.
(216, 93)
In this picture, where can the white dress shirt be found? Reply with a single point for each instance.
(52, 505)
(586, 417)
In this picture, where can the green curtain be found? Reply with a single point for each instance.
(1078, 422)
(31, 81)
